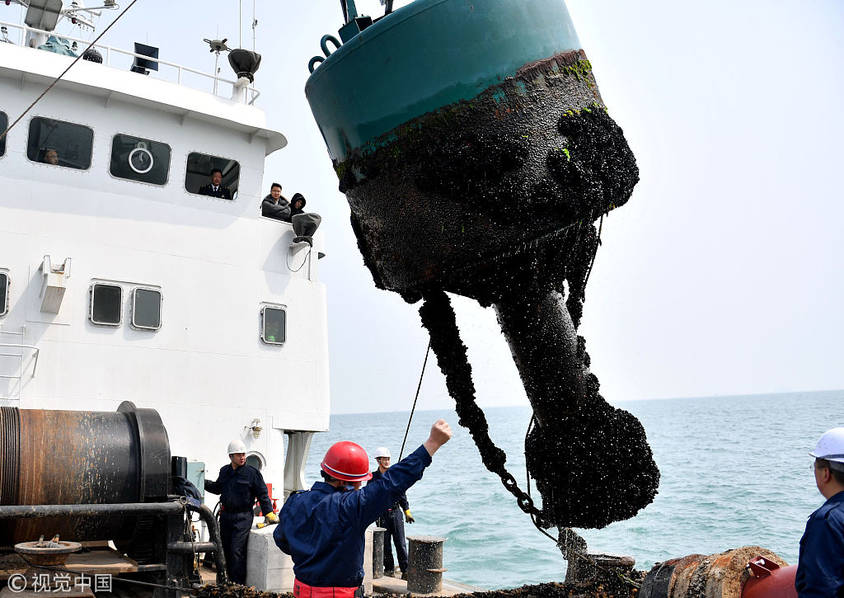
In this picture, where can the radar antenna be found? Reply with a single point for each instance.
(217, 46)
(45, 14)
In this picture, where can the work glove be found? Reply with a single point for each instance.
(271, 518)
(408, 517)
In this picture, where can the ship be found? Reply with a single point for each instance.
(125, 287)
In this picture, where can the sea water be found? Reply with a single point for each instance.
(735, 472)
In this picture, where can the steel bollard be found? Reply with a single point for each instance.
(425, 564)
(378, 552)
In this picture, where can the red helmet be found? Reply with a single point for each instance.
(346, 461)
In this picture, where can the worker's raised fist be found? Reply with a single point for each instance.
(440, 434)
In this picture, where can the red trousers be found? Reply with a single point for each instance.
(303, 590)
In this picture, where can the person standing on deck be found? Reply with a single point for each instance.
(393, 520)
(820, 568)
(323, 528)
(239, 485)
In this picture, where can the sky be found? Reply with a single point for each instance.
(721, 276)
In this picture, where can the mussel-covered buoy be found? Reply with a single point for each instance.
(477, 155)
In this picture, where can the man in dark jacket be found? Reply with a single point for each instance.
(820, 567)
(297, 204)
(323, 528)
(393, 520)
(215, 188)
(275, 205)
(239, 485)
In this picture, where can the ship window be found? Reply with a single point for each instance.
(4, 293)
(146, 309)
(200, 170)
(59, 143)
(273, 325)
(140, 159)
(4, 122)
(255, 461)
(106, 300)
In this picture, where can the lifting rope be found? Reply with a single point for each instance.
(410, 419)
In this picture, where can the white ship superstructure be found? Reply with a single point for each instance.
(120, 281)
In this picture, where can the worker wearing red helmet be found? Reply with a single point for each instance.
(323, 528)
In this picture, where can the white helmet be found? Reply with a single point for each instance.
(830, 446)
(236, 446)
(382, 451)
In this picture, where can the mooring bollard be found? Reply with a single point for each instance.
(425, 564)
(378, 552)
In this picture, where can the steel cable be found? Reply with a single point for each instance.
(64, 72)
(413, 409)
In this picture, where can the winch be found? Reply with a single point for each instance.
(85, 478)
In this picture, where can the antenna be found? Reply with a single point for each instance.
(217, 46)
(240, 25)
(254, 25)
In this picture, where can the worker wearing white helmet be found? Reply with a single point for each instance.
(820, 569)
(391, 519)
(238, 485)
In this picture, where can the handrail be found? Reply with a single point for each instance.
(23, 29)
(36, 353)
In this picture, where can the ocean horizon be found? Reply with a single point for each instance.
(734, 472)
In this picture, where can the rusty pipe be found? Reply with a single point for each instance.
(192, 547)
(41, 511)
(725, 575)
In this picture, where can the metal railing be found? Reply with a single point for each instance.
(108, 51)
(7, 350)
(34, 359)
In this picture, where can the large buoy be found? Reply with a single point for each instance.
(477, 154)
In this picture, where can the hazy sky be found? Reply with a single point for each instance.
(722, 275)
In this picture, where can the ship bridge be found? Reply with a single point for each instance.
(135, 263)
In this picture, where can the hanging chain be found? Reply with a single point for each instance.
(438, 317)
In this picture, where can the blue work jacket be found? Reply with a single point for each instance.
(820, 568)
(402, 498)
(323, 528)
(238, 489)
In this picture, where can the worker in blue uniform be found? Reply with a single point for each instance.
(392, 520)
(239, 485)
(820, 568)
(323, 528)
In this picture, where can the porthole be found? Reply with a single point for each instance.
(106, 304)
(138, 159)
(146, 309)
(255, 461)
(4, 292)
(212, 175)
(60, 143)
(273, 324)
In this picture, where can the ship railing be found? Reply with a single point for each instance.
(179, 70)
(18, 351)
